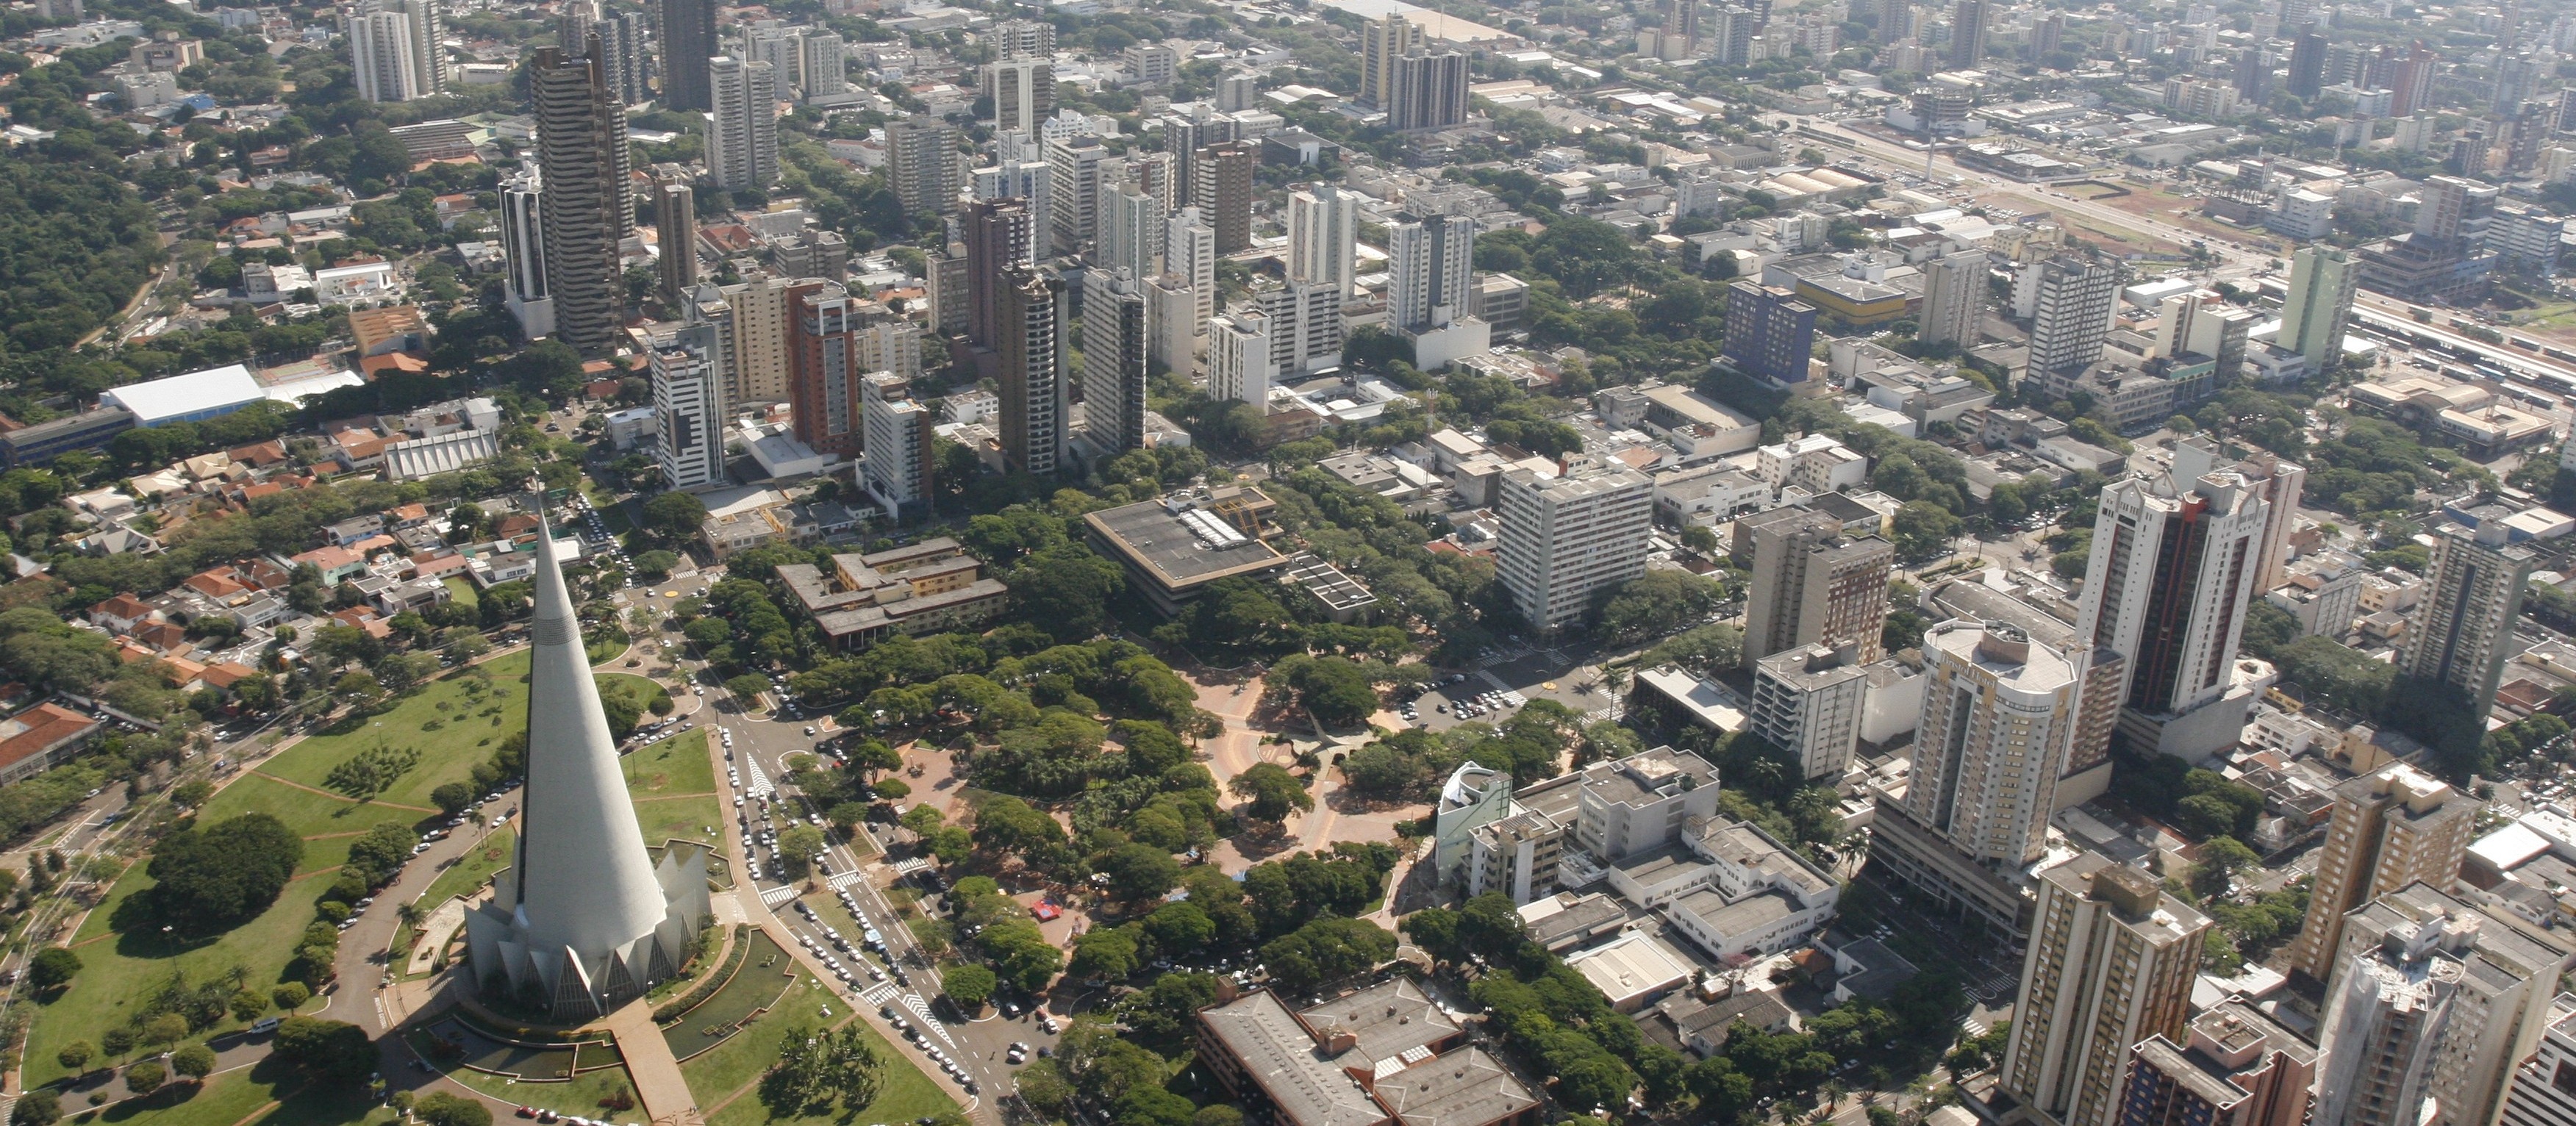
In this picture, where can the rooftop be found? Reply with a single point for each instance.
(1466, 1086)
(1388, 1020)
(1183, 543)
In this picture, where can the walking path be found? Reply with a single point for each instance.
(336, 796)
(649, 1063)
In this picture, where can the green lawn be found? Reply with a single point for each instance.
(461, 591)
(903, 1092)
(229, 1098)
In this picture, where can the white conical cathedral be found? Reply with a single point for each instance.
(582, 921)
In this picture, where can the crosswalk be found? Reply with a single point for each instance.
(774, 896)
(909, 865)
(760, 784)
(879, 993)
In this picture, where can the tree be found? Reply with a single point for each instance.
(145, 1077)
(290, 996)
(247, 1004)
(452, 797)
(675, 517)
(165, 1030)
(438, 1108)
(196, 1061)
(191, 793)
(1138, 872)
(1217, 1114)
(1270, 792)
(325, 1049)
(1337, 691)
(1180, 926)
(117, 1042)
(75, 1056)
(1657, 603)
(211, 879)
(656, 565)
(747, 689)
(968, 986)
(2221, 858)
(52, 968)
(380, 852)
(797, 848)
(1324, 950)
(38, 1107)
(1104, 952)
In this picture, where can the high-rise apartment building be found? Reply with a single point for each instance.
(1999, 711)
(2318, 306)
(1185, 133)
(742, 128)
(1305, 326)
(621, 43)
(2454, 213)
(896, 469)
(1030, 345)
(384, 54)
(1114, 367)
(2167, 587)
(2048, 36)
(2280, 484)
(1954, 298)
(1032, 182)
(2387, 1013)
(823, 369)
(689, 407)
(999, 236)
(586, 212)
(1431, 264)
(1239, 358)
(2543, 1091)
(1189, 253)
(1131, 232)
(921, 163)
(1815, 585)
(1895, 20)
(2410, 80)
(761, 364)
(523, 243)
(1770, 334)
(2307, 64)
(427, 26)
(890, 346)
(675, 229)
(1967, 34)
(1807, 701)
(2110, 964)
(2235, 1066)
(688, 44)
(1382, 42)
(1172, 324)
(1323, 236)
(2462, 632)
(1430, 91)
(2076, 297)
(2392, 827)
(823, 67)
(1023, 93)
(1566, 537)
(1221, 188)
(2496, 1010)
(1023, 39)
(1074, 169)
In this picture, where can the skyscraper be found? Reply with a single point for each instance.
(689, 407)
(998, 237)
(761, 367)
(1032, 182)
(1383, 41)
(1323, 236)
(2318, 306)
(1189, 253)
(2280, 484)
(2462, 632)
(2110, 964)
(1431, 261)
(1895, 20)
(2253, 74)
(921, 163)
(2307, 64)
(426, 25)
(2410, 82)
(675, 227)
(1023, 93)
(1954, 298)
(1074, 168)
(1114, 351)
(896, 469)
(1770, 334)
(2392, 827)
(1172, 324)
(582, 920)
(742, 129)
(1030, 330)
(621, 42)
(1023, 39)
(582, 153)
(823, 369)
(1814, 585)
(2389, 1008)
(890, 346)
(1221, 188)
(2495, 1009)
(1566, 537)
(1131, 232)
(2234, 1067)
(1239, 358)
(2048, 37)
(1967, 34)
(1807, 701)
(2076, 296)
(1998, 712)
(1305, 326)
(1731, 31)
(688, 43)
(523, 242)
(385, 65)
(2167, 587)
(1430, 91)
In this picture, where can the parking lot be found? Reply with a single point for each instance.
(1506, 684)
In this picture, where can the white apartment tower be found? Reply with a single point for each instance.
(523, 243)
(1323, 237)
(2318, 306)
(394, 49)
(1030, 181)
(742, 130)
(1305, 326)
(890, 346)
(1431, 265)
(921, 163)
(1808, 701)
(1075, 170)
(2497, 1009)
(895, 469)
(1114, 361)
(1239, 358)
(2076, 296)
(689, 407)
(2543, 1092)
(2171, 575)
(1999, 711)
(1131, 232)
(2110, 964)
(1954, 297)
(1023, 93)
(1566, 537)
(823, 66)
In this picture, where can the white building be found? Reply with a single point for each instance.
(1808, 702)
(1999, 712)
(1564, 538)
(742, 130)
(523, 243)
(689, 406)
(897, 465)
(1305, 326)
(1430, 267)
(1323, 238)
(1239, 358)
(2167, 587)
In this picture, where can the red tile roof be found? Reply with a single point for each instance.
(40, 729)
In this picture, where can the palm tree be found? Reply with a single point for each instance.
(410, 914)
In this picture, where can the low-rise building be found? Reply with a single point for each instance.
(929, 587)
(1386, 1055)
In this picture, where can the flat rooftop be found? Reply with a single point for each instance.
(1388, 1020)
(1180, 547)
(1465, 1086)
(1281, 1056)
